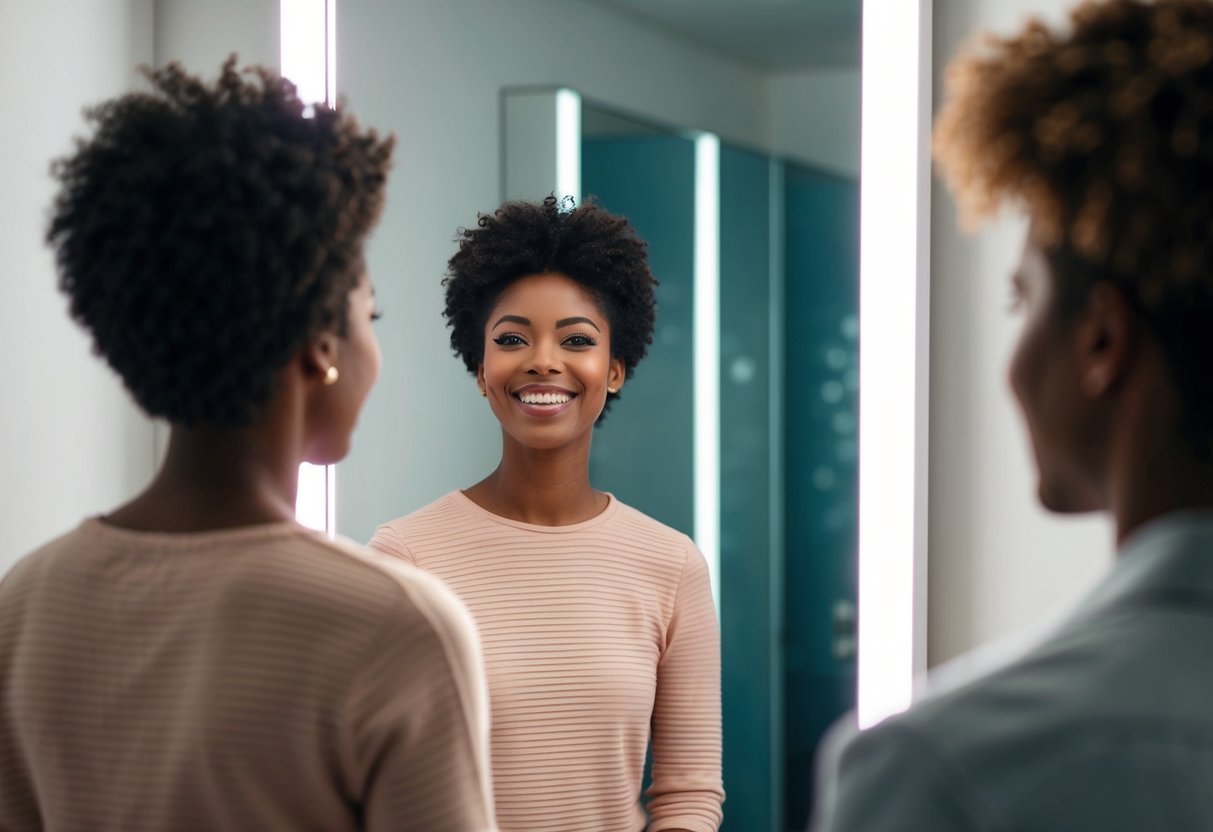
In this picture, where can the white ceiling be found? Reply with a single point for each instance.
(773, 35)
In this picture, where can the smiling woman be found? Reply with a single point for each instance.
(553, 360)
(597, 622)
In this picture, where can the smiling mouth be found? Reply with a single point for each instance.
(533, 398)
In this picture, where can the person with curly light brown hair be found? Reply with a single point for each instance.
(1103, 135)
(598, 622)
(195, 659)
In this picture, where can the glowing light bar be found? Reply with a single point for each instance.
(308, 44)
(892, 148)
(706, 316)
(568, 144)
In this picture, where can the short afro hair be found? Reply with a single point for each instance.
(1104, 134)
(591, 246)
(205, 233)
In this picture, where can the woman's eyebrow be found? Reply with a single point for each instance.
(563, 322)
(512, 319)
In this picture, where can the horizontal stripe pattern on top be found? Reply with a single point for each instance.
(247, 679)
(592, 633)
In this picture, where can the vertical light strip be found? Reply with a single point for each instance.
(706, 318)
(304, 47)
(330, 499)
(330, 52)
(568, 144)
(888, 303)
(308, 47)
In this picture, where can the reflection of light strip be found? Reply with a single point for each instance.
(707, 354)
(888, 305)
(330, 54)
(308, 44)
(304, 47)
(568, 144)
(330, 499)
(311, 503)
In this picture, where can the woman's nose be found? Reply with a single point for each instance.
(544, 359)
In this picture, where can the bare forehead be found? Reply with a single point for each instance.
(547, 295)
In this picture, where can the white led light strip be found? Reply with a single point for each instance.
(308, 33)
(568, 145)
(891, 366)
(706, 316)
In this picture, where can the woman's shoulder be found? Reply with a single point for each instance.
(442, 511)
(634, 523)
(404, 583)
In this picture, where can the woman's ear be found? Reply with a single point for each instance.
(1108, 336)
(319, 358)
(480, 382)
(616, 375)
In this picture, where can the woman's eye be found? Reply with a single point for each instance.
(376, 315)
(579, 341)
(508, 340)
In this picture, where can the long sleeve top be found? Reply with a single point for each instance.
(247, 679)
(593, 634)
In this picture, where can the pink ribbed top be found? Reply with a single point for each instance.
(591, 634)
(260, 678)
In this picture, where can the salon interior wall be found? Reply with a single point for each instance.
(999, 565)
(815, 118)
(432, 71)
(72, 442)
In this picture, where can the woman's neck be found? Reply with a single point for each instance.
(1154, 466)
(542, 487)
(1155, 482)
(216, 478)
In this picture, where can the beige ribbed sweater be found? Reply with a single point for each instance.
(591, 633)
(260, 678)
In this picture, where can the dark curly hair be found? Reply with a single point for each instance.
(205, 233)
(589, 245)
(1104, 134)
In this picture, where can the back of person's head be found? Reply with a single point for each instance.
(1104, 134)
(204, 233)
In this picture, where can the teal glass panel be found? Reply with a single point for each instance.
(749, 650)
(821, 328)
(643, 452)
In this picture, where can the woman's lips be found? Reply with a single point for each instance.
(543, 402)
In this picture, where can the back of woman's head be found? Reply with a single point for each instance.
(1104, 133)
(205, 232)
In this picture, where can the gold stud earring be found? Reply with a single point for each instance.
(484, 392)
(612, 389)
(331, 375)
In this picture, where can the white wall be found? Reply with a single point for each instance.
(430, 70)
(998, 563)
(72, 442)
(201, 35)
(814, 117)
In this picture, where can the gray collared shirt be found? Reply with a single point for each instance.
(1107, 725)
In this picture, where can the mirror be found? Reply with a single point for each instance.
(780, 497)
(780, 263)
(777, 84)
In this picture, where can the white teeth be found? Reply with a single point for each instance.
(544, 398)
